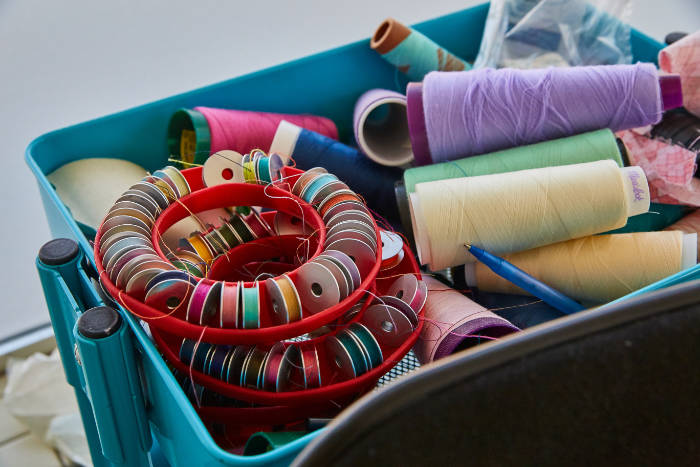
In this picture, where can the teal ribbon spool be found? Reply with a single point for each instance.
(411, 52)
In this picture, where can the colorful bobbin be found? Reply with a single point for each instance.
(228, 307)
(402, 306)
(201, 247)
(388, 324)
(370, 346)
(250, 299)
(251, 375)
(286, 304)
(196, 308)
(244, 232)
(217, 360)
(347, 264)
(311, 367)
(360, 252)
(235, 364)
(317, 287)
(169, 295)
(411, 290)
(276, 374)
(344, 285)
(347, 355)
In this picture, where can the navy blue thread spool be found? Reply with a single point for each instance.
(201, 355)
(217, 360)
(374, 182)
(195, 354)
(186, 351)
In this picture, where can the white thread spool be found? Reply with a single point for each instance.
(515, 211)
(285, 140)
(596, 269)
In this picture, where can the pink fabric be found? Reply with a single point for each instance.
(669, 168)
(683, 57)
(243, 131)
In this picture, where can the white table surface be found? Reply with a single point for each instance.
(66, 62)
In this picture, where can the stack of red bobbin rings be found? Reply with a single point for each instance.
(307, 300)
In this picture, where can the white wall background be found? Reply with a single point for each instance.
(66, 62)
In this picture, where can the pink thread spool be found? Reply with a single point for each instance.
(453, 322)
(194, 134)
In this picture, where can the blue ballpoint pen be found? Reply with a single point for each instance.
(525, 281)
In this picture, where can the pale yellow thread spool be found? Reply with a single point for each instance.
(689, 224)
(596, 269)
(515, 211)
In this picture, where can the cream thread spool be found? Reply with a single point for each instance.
(515, 211)
(596, 269)
(89, 186)
(688, 224)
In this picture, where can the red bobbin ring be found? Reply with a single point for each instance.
(333, 388)
(232, 194)
(168, 330)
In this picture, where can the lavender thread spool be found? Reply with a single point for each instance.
(460, 114)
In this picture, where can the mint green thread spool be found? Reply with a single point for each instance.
(411, 52)
(586, 147)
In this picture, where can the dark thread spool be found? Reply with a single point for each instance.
(374, 182)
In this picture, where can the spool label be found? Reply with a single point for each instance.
(636, 186)
(188, 145)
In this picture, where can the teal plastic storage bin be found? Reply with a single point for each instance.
(324, 84)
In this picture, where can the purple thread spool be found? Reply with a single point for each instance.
(460, 114)
(470, 333)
